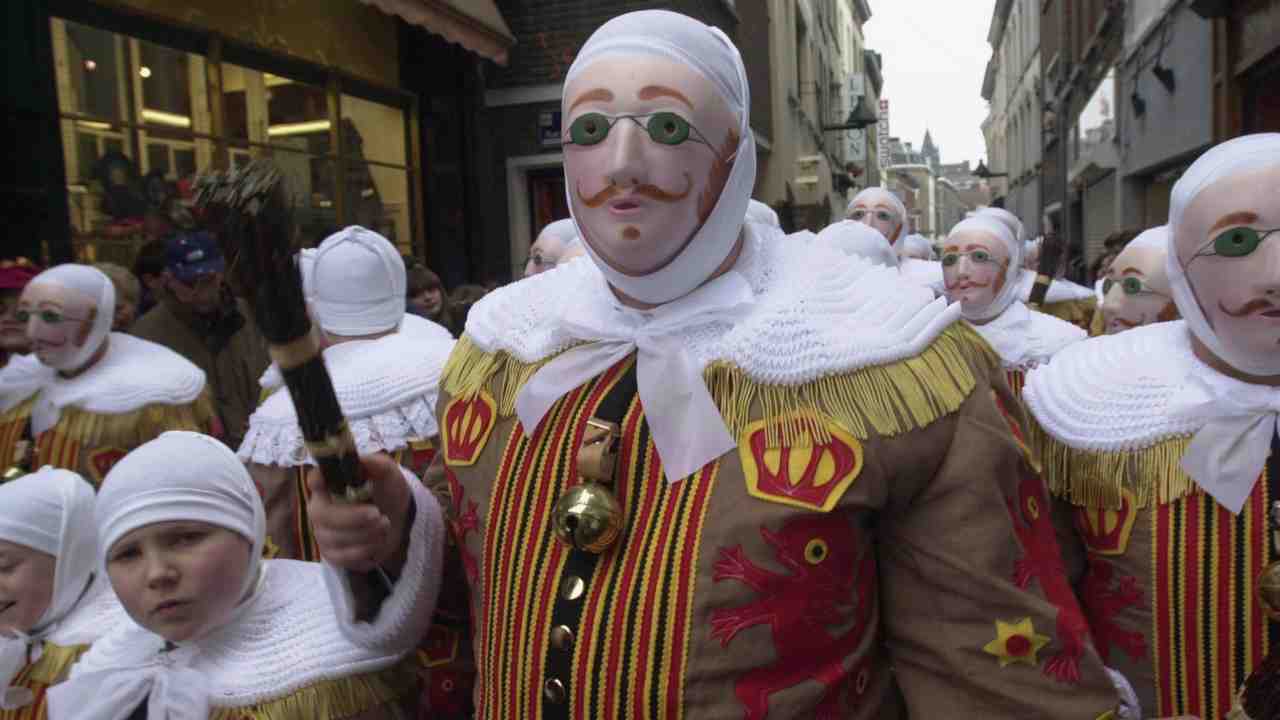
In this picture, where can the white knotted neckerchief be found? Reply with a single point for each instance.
(17, 649)
(169, 687)
(1227, 455)
(687, 429)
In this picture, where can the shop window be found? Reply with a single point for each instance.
(138, 125)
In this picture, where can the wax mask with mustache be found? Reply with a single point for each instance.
(1137, 286)
(880, 209)
(659, 161)
(68, 312)
(979, 267)
(1225, 261)
(650, 146)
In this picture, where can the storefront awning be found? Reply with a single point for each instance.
(474, 24)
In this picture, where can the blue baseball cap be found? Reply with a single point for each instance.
(190, 255)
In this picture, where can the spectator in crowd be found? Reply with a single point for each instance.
(14, 276)
(148, 267)
(461, 300)
(200, 319)
(425, 297)
(128, 291)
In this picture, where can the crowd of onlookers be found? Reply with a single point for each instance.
(178, 294)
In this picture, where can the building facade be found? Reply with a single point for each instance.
(139, 96)
(814, 57)
(1013, 127)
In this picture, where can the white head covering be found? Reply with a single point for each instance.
(860, 239)
(917, 243)
(709, 52)
(876, 193)
(181, 476)
(1227, 455)
(1156, 237)
(1010, 221)
(758, 212)
(97, 287)
(1238, 155)
(357, 283)
(564, 231)
(1013, 275)
(51, 511)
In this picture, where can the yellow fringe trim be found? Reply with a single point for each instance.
(55, 662)
(127, 430)
(885, 400)
(1077, 312)
(332, 699)
(1092, 478)
(21, 411)
(131, 429)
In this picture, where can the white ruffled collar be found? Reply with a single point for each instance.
(1060, 290)
(132, 374)
(387, 389)
(1024, 338)
(817, 312)
(1114, 392)
(285, 638)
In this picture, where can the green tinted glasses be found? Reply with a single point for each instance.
(1234, 243)
(978, 256)
(666, 128)
(1130, 286)
(48, 317)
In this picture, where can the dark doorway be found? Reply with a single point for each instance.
(547, 202)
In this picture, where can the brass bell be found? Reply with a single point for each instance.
(587, 517)
(13, 472)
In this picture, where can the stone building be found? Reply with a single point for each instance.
(1012, 129)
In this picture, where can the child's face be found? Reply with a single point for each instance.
(179, 579)
(26, 586)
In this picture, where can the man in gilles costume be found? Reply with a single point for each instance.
(1162, 441)
(86, 396)
(708, 474)
(982, 268)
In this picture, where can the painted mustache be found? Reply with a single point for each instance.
(650, 191)
(1253, 306)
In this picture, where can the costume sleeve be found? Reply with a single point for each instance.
(980, 618)
(405, 615)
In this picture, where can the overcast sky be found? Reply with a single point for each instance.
(934, 53)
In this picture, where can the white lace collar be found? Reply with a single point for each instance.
(387, 389)
(132, 374)
(817, 312)
(1024, 338)
(1113, 393)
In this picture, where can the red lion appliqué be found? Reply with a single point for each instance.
(831, 584)
(1043, 561)
(1103, 601)
(464, 522)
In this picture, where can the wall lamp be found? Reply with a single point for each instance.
(1165, 76)
(1139, 105)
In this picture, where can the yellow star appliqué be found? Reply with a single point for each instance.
(1016, 642)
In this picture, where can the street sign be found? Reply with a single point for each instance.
(549, 128)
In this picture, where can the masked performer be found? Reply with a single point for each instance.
(882, 210)
(713, 475)
(86, 396)
(1136, 290)
(982, 265)
(1164, 440)
(53, 602)
(557, 243)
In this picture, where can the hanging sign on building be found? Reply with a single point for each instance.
(882, 133)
